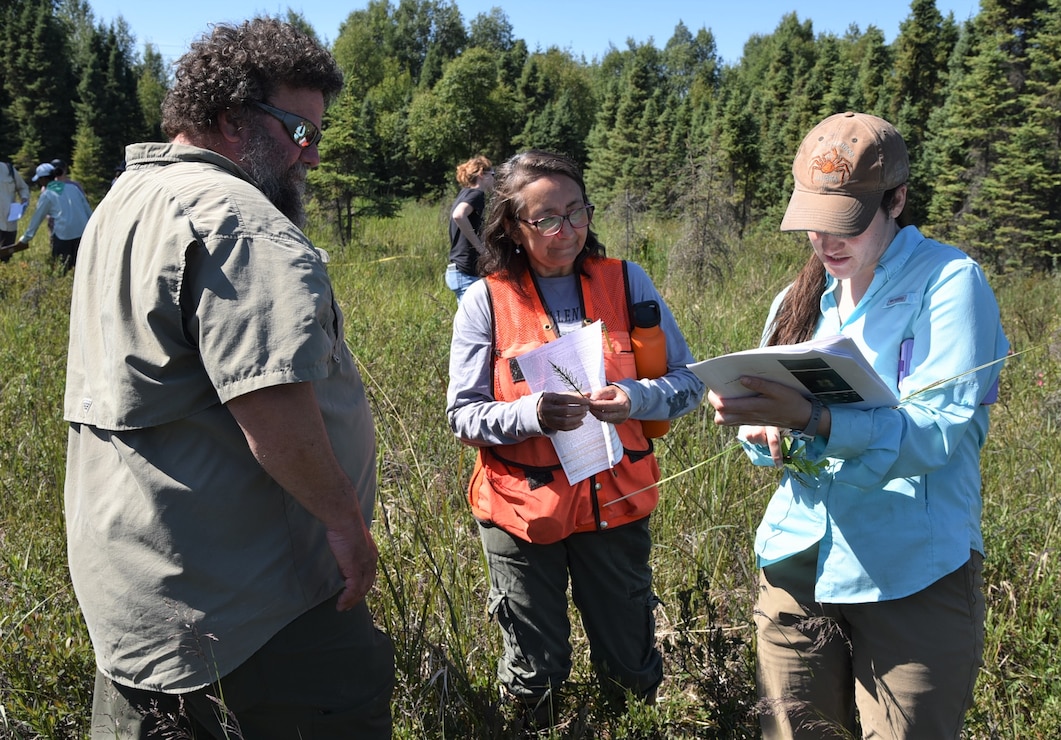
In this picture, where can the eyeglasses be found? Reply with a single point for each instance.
(579, 218)
(304, 133)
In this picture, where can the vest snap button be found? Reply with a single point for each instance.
(604, 525)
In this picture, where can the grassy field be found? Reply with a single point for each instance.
(431, 589)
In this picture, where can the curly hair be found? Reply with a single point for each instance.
(469, 173)
(234, 64)
(502, 215)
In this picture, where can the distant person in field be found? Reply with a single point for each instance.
(13, 189)
(547, 276)
(68, 211)
(871, 588)
(62, 174)
(476, 177)
(221, 463)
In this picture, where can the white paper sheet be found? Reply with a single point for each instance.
(577, 356)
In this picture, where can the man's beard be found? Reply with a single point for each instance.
(284, 187)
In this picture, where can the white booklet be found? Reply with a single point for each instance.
(831, 368)
(575, 363)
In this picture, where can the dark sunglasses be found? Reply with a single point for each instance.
(304, 133)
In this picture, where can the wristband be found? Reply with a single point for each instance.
(810, 431)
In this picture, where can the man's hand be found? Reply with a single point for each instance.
(356, 553)
(286, 434)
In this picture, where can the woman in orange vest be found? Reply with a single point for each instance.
(546, 275)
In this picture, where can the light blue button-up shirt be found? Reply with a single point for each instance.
(65, 203)
(899, 506)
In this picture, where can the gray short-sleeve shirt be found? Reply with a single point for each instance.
(192, 289)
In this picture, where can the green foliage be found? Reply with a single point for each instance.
(492, 31)
(47, 661)
(615, 153)
(556, 102)
(68, 85)
(353, 179)
(151, 87)
(977, 102)
(39, 80)
(431, 590)
(91, 161)
(463, 113)
(991, 156)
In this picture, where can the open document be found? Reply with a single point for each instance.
(831, 368)
(575, 363)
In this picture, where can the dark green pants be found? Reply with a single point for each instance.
(611, 585)
(328, 674)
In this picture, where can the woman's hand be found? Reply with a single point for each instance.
(773, 406)
(610, 404)
(562, 412)
(769, 437)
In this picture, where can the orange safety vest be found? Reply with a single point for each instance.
(522, 487)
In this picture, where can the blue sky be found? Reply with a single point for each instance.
(581, 26)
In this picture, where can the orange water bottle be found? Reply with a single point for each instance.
(650, 355)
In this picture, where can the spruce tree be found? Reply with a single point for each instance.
(39, 81)
(612, 168)
(995, 202)
(873, 59)
(349, 184)
(151, 87)
(555, 104)
(917, 86)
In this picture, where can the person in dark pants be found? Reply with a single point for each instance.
(13, 190)
(541, 530)
(221, 461)
(67, 210)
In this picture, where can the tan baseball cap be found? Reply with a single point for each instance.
(842, 170)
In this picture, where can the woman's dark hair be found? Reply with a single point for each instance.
(800, 310)
(506, 202)
(234, 64)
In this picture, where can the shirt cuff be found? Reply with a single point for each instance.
(849, 435)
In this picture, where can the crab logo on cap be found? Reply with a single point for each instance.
(832, 163)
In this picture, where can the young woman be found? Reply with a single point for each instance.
(476, 177)
(870, 586)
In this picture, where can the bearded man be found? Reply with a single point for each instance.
(221, 455)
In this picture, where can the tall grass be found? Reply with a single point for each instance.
(431, 591)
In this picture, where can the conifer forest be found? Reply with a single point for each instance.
(670, 131)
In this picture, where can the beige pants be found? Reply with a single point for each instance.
(907, 665)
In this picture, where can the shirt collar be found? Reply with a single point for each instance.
(891, 263)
